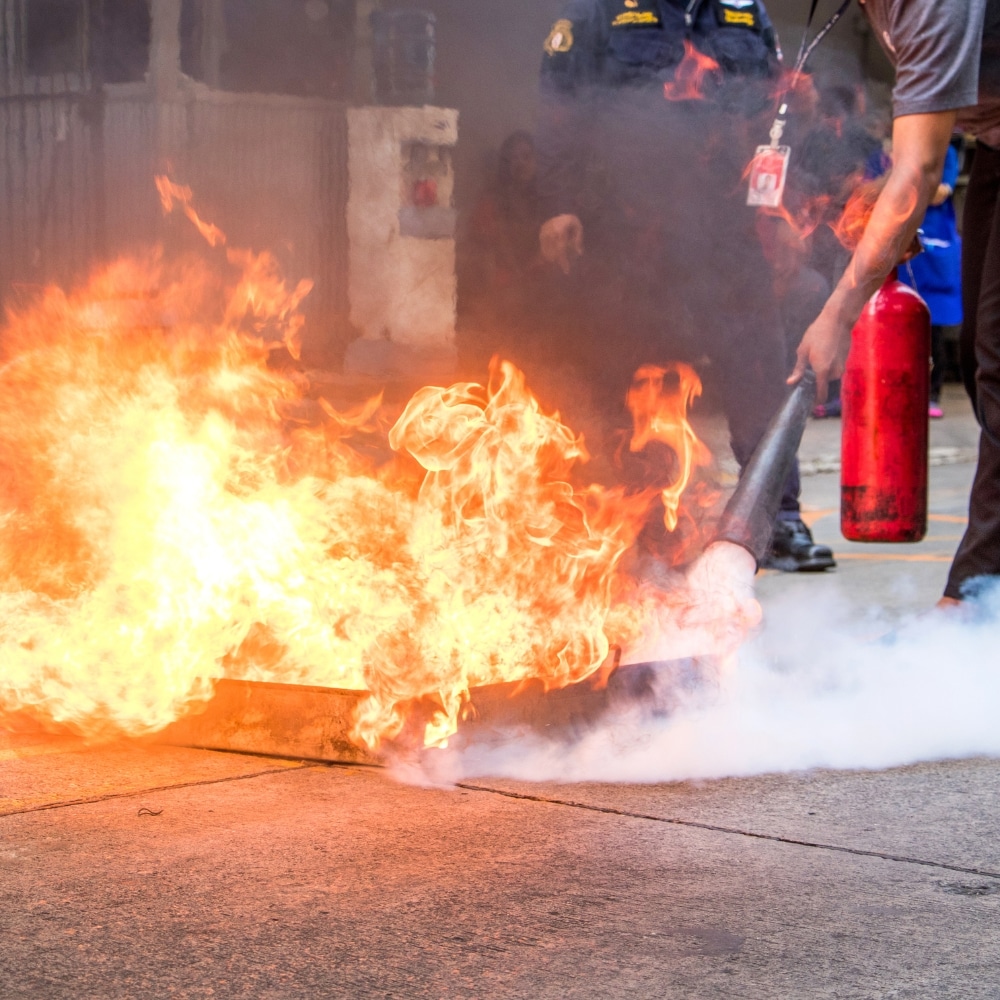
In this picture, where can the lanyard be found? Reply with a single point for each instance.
(769, 168)
(806, 49)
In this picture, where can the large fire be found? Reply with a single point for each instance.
(167, 520)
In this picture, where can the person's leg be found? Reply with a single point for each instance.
(979, 553)
(977, 227)
(751, 391)
(748, 371)
(792, 546)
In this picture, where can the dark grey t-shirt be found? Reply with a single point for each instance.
(947, 57)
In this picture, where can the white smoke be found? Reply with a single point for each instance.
(820, 686)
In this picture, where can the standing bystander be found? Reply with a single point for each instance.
(500, 255)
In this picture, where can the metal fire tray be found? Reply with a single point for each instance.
(314, 723)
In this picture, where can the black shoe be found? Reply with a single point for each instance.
(794, 551)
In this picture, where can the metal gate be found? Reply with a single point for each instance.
(78, 158)
(51, 193)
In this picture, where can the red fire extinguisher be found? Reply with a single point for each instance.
(884, 445)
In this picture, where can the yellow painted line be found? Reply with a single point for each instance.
(812, 516)
(893, 557)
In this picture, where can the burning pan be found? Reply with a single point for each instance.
(313, 723)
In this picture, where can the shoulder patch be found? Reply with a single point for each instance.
(560, 37)
(738, 14)
(630, 17)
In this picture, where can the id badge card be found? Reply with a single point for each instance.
(768, 173)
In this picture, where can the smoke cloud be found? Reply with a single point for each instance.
(818, 687)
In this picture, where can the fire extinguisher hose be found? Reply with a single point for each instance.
(749, 517)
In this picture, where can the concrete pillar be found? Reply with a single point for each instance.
(165, 48)
(213, 41)
(164, 78)
(401, 232)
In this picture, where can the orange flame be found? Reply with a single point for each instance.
(659, 412)
(260, 301)
(806, 217)
(171, 192)
(851, 225)
(169, 519)
(689, 79)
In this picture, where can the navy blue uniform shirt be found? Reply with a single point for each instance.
(610, 43)
(603, 105)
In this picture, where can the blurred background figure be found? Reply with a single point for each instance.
(499, 257)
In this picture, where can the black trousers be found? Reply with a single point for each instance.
(978, 556)
(694, 296)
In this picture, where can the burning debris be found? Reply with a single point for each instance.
(169, 522)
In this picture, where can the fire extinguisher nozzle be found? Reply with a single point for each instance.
(749, 517)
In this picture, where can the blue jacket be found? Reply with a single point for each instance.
(937, 273)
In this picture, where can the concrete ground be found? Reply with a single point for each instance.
(152, 872)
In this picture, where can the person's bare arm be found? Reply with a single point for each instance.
(919, 143)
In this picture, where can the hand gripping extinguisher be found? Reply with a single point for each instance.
(884, 397)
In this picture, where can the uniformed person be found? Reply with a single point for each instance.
(651, 110)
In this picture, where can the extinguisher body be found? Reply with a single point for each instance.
(884, 393)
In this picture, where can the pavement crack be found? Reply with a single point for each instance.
(135, 793)
(733, 831)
